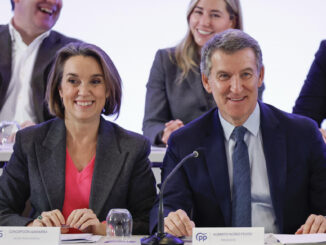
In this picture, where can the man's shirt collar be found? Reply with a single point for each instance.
(252, 124)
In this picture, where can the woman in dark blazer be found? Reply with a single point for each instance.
(78, 166)
(175, 95)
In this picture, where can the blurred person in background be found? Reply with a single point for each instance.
(175, 94)
(28, 47)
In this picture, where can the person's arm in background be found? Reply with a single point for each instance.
(312, 98)
(157, 109)
(170, 127)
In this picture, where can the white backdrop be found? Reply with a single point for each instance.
(289, 32)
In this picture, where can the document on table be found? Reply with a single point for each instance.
(295, 239)
(79, 238)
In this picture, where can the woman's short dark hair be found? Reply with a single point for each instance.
(111, 77)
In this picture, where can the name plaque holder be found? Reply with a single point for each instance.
(228, 236)
(15, 235)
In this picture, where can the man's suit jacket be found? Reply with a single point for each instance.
(42, 66)
(296, 165)
(312, 98)
(122, 176)
(169, 99)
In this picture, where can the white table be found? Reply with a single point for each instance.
(157, 154)
(135, 240)
(5, 153)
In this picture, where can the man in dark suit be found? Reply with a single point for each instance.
(28, 47)
(257, 165)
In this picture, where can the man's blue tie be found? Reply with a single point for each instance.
(241, 190)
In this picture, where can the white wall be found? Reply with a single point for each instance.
(289, 33)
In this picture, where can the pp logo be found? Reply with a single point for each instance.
(201, 236)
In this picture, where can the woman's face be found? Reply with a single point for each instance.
(208, 18)
(83, 89)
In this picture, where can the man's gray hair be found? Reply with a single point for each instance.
(229, 41)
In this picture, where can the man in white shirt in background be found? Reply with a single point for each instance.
(28, 46)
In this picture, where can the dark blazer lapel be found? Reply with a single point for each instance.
(5, 62)
(43, 59)
(274, 143)
(109, 161)
(194, 81)
(216, 161)
(51, 158)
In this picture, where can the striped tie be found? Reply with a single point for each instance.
(241, 191)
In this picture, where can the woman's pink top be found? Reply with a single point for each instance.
(77, 187)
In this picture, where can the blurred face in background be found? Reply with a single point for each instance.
(83, 89)
(36, 16)
(208, 18)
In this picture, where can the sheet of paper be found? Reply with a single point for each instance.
(79, 238)
(301, 239)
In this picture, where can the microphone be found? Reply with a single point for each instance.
(160, 237)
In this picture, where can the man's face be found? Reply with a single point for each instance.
(234, 82)
(37, 16)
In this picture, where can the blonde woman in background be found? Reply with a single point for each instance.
(175, 95)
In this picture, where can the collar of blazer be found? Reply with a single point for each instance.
(275, 150)
(51, 154)
(195, 83)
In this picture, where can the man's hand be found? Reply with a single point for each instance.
(323, 133)
(178, 224)
(314, 224)
(171, 126)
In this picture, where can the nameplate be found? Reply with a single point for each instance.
(228, 236)
(14, 235)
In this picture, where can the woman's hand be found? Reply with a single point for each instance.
(86, 221)
(170, 127)
(323, 133)
(52, 218)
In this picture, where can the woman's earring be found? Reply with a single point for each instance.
(105, 105)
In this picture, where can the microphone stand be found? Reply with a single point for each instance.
(161, 237)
